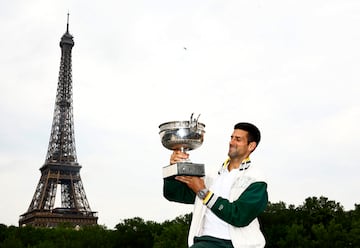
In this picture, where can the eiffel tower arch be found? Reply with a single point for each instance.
(61, 168)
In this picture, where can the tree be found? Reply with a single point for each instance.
(295, 236)
(174, 233)
(320, 210)
(135, 232)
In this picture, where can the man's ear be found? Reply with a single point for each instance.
(252, 146)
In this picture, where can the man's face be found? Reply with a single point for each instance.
(238, 145)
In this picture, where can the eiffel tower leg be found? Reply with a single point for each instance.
(74, 208)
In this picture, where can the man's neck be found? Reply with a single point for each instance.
(235, 163)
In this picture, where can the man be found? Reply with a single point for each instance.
(227, 203)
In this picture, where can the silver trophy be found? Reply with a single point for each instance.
(184, 136)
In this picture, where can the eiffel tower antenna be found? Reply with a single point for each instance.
(61, 167)
(67, 23)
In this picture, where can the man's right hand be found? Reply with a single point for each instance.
(178, 156)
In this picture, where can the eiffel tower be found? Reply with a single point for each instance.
(61, 167)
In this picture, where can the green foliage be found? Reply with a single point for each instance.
(136, 233)
(174, 233)
(318, 222)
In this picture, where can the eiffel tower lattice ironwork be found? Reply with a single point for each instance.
(61, 166)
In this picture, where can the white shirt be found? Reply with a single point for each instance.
(213, 225)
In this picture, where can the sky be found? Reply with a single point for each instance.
(290, 67)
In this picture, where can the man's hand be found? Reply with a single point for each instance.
(178, 156)
(193, 182)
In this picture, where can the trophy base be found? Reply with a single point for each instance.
(184, 169)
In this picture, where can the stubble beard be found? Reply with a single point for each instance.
(232, 152)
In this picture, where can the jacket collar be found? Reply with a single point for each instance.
(245, 164)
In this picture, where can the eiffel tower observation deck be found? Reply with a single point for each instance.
(61, 168)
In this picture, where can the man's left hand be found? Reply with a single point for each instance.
(193, 182)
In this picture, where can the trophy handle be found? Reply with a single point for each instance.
(194, 122)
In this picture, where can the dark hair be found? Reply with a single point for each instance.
(253, 131)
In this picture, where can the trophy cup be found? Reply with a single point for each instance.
(184, 136)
